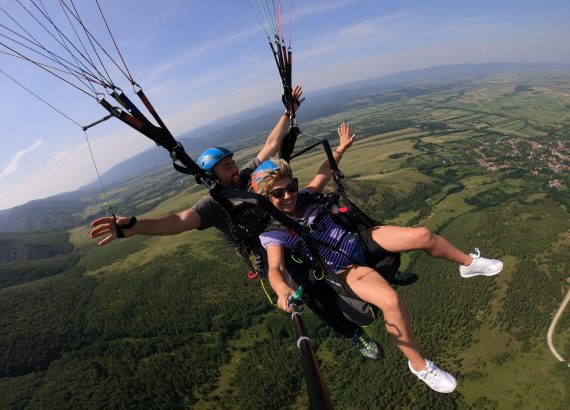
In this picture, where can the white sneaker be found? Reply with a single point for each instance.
(481, 266)
(437, 379)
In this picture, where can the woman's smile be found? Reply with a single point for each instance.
(283, 195)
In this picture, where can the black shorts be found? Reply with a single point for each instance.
(385, 262)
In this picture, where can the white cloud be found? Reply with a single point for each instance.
(73, 167)
(18, 156)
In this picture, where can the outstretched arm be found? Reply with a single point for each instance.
(106, 227)
(276, 273)
(275, 137)
(324, 173)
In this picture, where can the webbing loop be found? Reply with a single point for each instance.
(322, 275)
(296, 259)
(299, 340)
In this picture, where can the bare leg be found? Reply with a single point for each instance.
(401, 239)
(373, 288)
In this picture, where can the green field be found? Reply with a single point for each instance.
(173, 322)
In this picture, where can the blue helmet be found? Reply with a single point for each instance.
(261, 172)
(211, 157)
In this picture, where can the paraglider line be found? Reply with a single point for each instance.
(39, 98)
(97, 169)
(115, 43)
(88, 35)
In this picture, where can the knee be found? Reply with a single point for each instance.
(424, 237)
(392, 302)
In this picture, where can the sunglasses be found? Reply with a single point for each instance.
(291, 188)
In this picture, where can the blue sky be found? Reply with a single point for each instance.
(202, 60)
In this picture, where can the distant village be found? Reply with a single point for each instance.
(540, 157)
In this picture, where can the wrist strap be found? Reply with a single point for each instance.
(128, 225)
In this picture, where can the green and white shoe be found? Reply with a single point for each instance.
(366, 345)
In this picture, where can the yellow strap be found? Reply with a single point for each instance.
(251, 259)
(266, 293)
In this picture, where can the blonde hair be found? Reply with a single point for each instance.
(261, 182)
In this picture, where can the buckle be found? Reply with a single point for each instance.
(252, 275)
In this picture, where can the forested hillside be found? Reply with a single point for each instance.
(173, 322)
(29, 256)
(54, 212)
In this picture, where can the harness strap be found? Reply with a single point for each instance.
(266, 293)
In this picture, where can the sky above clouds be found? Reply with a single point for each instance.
(202, 60)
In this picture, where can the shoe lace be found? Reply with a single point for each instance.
(475, 255)
(365, 342)
(431, 374)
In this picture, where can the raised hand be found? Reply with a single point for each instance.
(345, 136)
(297, 94)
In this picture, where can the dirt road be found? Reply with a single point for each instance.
(553, 325)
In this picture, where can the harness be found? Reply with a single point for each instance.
(384, 262)
(319, 201)
(387, 263)
(246, 222)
